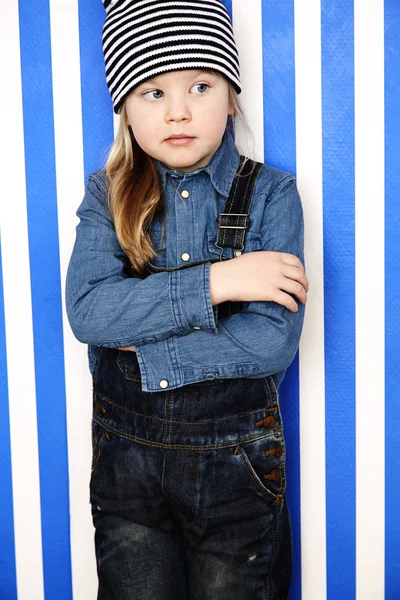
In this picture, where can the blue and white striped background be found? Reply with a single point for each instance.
(321, 87)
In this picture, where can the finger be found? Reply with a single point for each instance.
(295, 288)
(297, 274)
(285, 300)
(291, 259)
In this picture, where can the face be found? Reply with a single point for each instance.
(191, 102)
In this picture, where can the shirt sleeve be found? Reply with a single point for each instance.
(107, 307)
(259, 341)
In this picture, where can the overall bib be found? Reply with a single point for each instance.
(187, 486)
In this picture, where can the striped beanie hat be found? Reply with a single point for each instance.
(144, 38)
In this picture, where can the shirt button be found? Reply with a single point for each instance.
(185, 194)
(196, 327)
(163, 383)
(185, 256)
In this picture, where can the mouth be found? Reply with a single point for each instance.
(179, 140)
(179, 137)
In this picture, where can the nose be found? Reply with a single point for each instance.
(178, 110)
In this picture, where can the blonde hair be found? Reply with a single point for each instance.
(134, 190)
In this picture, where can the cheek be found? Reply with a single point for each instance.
(139, 116)
(214, 119)
(143, 130)
(214, 112)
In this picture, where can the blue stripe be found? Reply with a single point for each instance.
(8, 584)
(392, 305)
(339, 297)
(97, 110)
(280, 152)
(46, 295)
(279, 84)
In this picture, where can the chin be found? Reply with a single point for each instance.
(186, 159)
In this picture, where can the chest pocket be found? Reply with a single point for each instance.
(252, 242)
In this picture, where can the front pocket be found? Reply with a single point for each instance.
(264, 462)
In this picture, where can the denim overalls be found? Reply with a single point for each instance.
(188, 485)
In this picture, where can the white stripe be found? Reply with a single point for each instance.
(370, 297)
(70, 189)
(312, 372)
(247, 24)
(18, 316)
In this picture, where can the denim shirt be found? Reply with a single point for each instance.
(168, 315)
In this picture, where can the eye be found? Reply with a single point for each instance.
(152, 92)
(204, 85)
(149, 96)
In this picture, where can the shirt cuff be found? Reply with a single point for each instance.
(191, 300)
(159, 366)
(161, 369)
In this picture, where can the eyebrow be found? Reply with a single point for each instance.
(203, 71)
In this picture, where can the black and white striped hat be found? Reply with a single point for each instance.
(143, 38)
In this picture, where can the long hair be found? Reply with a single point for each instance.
(134, 189)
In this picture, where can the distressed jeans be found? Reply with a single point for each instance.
(188, 488)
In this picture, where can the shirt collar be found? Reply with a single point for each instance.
(221, 168)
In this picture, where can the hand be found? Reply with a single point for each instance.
(130, 349)
(262, 275)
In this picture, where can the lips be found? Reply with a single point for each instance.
(179, 140)
(177, 137)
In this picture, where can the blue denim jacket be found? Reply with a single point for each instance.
(168, 316)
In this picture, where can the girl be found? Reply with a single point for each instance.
(187, 282)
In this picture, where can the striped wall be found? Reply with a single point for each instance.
(321, 89)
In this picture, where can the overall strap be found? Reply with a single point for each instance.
(233, 222)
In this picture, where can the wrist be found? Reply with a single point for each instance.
(220, 282)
